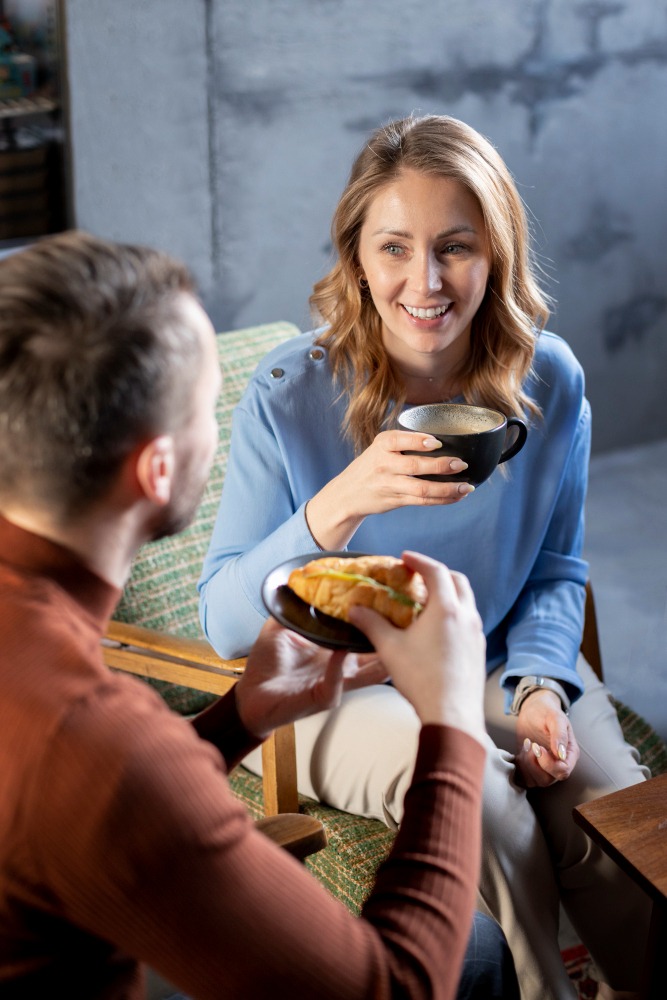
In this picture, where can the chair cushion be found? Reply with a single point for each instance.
(639, 734)
(161, 592)
(355, 846)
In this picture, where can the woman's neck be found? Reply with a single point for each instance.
(432, 388)
(432, 377)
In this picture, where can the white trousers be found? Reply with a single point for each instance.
(360, 757)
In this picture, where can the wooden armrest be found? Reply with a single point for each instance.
(193, 650)
(150, 653)
(193, 663)
(300, 835)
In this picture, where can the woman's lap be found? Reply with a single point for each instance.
(360, 756)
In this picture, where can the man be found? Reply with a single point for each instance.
(120, 841)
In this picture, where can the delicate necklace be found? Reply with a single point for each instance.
(430, 380)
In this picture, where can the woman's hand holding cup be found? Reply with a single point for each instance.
(380, 479)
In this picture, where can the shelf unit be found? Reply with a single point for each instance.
(26, 107)
(34, 191)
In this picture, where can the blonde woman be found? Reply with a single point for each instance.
(434, 297)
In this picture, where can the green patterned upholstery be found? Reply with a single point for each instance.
(161, 592)
(639, 734)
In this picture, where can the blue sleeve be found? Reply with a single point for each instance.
(545, 627)
(257, 527)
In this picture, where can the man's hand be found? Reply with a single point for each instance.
(437, 662)
(287, 677)
(547, 749)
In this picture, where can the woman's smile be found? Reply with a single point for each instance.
(427, 312)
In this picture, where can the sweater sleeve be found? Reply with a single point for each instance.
(257, 527)
(221, 725)
(546, 623)
(166, 864)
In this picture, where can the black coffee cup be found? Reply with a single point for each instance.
(475, 434)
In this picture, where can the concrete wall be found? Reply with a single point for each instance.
(224, 131)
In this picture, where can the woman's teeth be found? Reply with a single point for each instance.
(426, 313)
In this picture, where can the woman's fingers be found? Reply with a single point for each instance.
(409, 445)
(540, 768)
(400, 470)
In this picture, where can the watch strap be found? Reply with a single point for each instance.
(536, 682)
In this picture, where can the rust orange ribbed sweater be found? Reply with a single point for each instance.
(121, 842)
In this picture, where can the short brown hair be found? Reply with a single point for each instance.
(514, 308)
(94, 356)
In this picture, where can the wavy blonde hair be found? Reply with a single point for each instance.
(513, 311)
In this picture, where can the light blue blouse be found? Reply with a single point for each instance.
(518, 538)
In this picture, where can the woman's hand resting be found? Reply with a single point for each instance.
(547, 748)
(382, 479)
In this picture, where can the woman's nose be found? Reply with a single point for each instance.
(426, 276)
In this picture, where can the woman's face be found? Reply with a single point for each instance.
(423, 250)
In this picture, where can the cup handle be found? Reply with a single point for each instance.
(515, 448)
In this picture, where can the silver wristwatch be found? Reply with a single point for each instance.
(535, 682)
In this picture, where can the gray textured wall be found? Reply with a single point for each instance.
(224, 130)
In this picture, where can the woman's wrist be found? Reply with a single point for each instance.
(528, 686)
(328, 522)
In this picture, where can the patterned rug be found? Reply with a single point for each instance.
(578, 965)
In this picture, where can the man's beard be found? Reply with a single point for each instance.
(179, 512)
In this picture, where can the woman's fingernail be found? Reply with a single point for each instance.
(526, 745)
(458, 465)
(466, 488)
(536, 750)
(431, 442)
(562, 752)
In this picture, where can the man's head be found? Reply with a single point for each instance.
(102, 348)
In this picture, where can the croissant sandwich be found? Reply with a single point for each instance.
(333, 584)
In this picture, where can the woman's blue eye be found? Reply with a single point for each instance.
(393, 249)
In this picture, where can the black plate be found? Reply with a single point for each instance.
(303, 618)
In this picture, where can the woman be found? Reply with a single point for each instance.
(434, 297)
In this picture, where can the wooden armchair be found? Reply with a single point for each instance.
(156, 634)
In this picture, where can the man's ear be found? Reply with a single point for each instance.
(155, 469)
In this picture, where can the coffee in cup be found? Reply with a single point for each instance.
(476, 434)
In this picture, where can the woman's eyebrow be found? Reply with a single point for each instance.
(404, 234)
